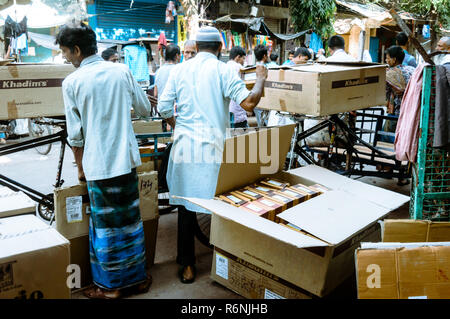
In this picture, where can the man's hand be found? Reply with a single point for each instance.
(255, 95)
(261, 72)
(81, 176)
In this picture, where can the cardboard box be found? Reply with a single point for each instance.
(34, 259)
(15, 203)
(413, 261)
(403, 270)
(410, 231)
(335, 221)
(147, 127)
(324, 89)
(275, 207)
(250, 281)
(73, 224)
(32, 90)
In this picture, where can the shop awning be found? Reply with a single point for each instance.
(256, 25)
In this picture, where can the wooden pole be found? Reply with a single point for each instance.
(413, 40)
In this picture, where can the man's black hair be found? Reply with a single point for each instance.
(108, 53)
(402, 38)
(303, 52)
(336, 42)
(273, 57)
(82, 36)
(396, 52)
(208, 46)
(260, 51)
(236, 51)
(291, 52)
(171, 52)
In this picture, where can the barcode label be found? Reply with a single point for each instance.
(271, 295)
(268, 203)
(283, 199)
(74, 209)
(221, 266)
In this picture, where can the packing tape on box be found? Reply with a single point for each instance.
(13, 70)
(12, 110)
(283, 105)
(362, 76)
(281, 75)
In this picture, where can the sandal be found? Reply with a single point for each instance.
(143, 287)
(99, 293)
(181, 275)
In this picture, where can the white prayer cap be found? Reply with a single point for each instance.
(208, 34)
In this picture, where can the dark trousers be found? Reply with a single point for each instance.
(186, 236)
(241, 124)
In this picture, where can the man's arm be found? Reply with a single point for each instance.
(140, 102)
(167, 100)
(254, 97)
(78, 154)
(75, 136)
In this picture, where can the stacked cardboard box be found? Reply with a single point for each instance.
(412, 262)
(323, 89)
(321, 256)
(34, 260)
(72, 220)
(32, 90)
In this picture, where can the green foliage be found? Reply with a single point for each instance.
(317, 15)
(422, 8)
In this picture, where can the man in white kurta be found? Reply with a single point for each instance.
(203, 88)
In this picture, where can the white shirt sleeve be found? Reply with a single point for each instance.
(233, 86)
(168, 97)
(140, 102)
(75, 136)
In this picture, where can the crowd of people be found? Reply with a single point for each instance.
(196, 93)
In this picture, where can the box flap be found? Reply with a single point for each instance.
(334, 216)
(259, 224)
(374, 194)
(248, 157)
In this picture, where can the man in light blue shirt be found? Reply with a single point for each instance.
(203, 88)
(402, 40)
(173, 55)
(98, 97)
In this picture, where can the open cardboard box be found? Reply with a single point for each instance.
(32, 90)
(324, 89)
(334, 223)
(412, 262)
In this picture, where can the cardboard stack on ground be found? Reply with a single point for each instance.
(15, 203)
(72, 220)
(412, 262)
(32, 90)
(334, 223)
(33, 260)
(324, 89)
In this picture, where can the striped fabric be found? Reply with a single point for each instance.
(116, 233)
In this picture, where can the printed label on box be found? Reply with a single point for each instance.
(221, 266)
(263, 189)
(267, 203)
(271, 295)
(234, 199)
(418, 297)
(283, 199)
(74, 209)
(290, 193)
(250, 193)
(254, 208)
(88, 210)
(275, 183)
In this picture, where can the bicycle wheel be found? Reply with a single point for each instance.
(39, 130)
